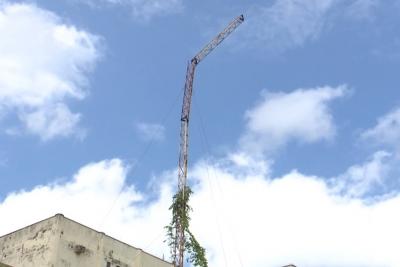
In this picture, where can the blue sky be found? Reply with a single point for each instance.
(298, 108)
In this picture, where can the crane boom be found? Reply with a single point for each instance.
(218, 39)
(178, 254)
(187, 98)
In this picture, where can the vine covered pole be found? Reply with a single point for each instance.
(180, 225)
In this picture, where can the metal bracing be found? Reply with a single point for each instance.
(184, 144)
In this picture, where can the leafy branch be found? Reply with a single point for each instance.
(180, 215)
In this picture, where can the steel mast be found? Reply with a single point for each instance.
(184, 143)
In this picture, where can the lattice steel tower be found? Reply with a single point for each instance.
(184, 144)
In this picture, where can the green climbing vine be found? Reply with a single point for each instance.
(180, 213)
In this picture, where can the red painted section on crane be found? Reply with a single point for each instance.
(184, 144)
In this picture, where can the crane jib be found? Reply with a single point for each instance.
(179, 249)
(218, 39)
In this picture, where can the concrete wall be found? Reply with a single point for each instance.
(60, 242)
(30, 246)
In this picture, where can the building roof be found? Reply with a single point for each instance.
(84, 226)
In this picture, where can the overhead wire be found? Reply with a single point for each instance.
(147, 246)
(206, 151)
(215, 206)
(141, 157)
(207, 145)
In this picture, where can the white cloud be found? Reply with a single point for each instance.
(288, 24)
(368, 178)
(302, 115)
(262, 221)
(387, 130)
(151, 131)
(291, 219)
(363, 9)
(43, 63)
(89, 197)
(144, 9)
(51, 121)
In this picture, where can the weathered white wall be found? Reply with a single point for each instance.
(60, 242)
(30, 246)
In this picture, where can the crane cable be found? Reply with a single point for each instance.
(213, 197)
(148, 246)
(208, 152)
(142, 155)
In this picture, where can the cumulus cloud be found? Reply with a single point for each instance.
(243, 218)
(143, 9)
(386, 131)
(291, 219)
(368, 178)
(43, 64)
(302, 115)
(97, 196)
(151, 131)
(52, 121)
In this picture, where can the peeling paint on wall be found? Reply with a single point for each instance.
(61, 242)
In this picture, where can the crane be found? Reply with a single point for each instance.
(179, 242)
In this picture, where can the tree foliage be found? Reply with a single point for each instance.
(180, 214)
